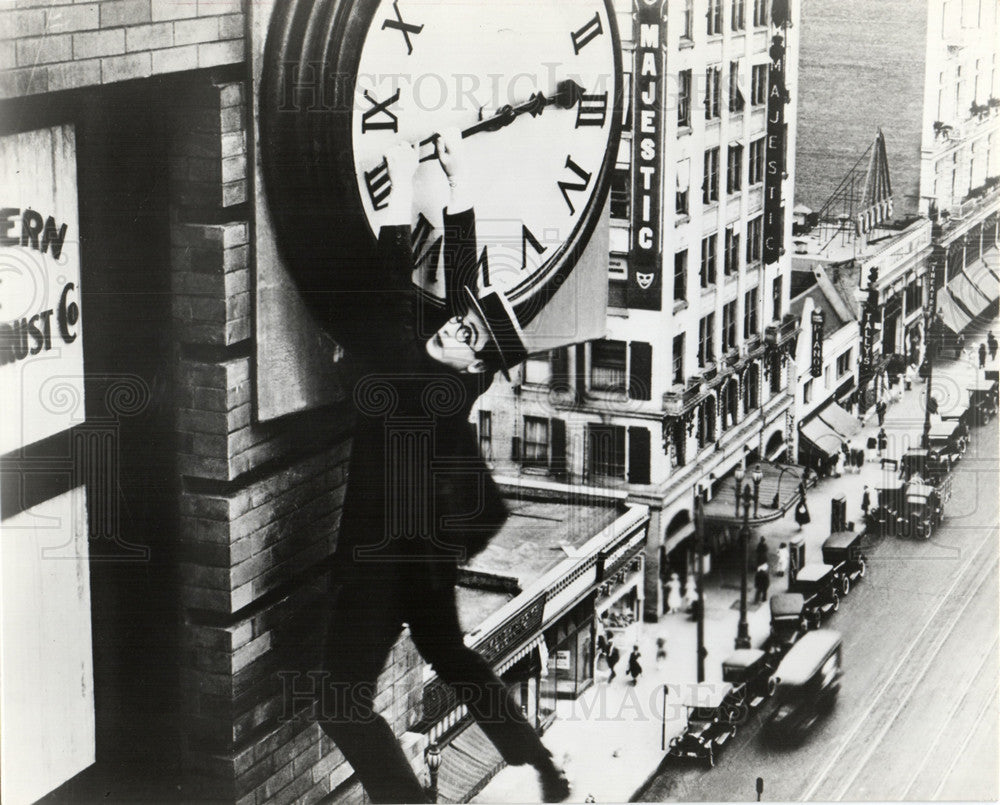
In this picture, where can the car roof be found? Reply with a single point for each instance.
(814, 571)
(706, 694)
(841, 539)
(787, 604)
(744, 657)
(806, 656)
(919, 490)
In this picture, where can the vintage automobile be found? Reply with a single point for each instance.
(924, 509)
(883, 517)
(842, 549)
(789, 621)
(929, 465)
(817, 583)
(948, 437)
(749, 671)
(710, 722)
(808, 680)
(983, 401)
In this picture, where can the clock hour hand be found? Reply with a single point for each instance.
(567, 95)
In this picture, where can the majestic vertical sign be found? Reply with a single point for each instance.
(868, 317)
(645, 276)
(41, 340)
(774, 153)
(816, 367)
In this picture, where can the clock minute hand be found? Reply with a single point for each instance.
(567, 95)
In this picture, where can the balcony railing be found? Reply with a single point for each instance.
(678, 401)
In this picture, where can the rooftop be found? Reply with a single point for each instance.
(835, 242)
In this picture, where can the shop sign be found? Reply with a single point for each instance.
(868, 315)
(41, 336)
(645, 277)
(563, 660)
(774, 153)
(609, 563)
(818, 318)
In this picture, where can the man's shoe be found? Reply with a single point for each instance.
(555, 786)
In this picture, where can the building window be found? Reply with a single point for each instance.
(758, 85)
(708, 257)
(680, 275)
(607, 365)
(678, 359)
(736, 101)
(751, 389)
(706, 340)
(739, 15)
(826, 377)
(776, 298)
(684, 99)
(706, 422)
(713, 92)
(714, 17)
(755, 238)
(729, 326)
(751, 303)
(760, 13)
(756, 166)
(538, 369)
(731, 263)
(807, 392)
(606, 450)
(486, 434)
(683, 184)
(734, 169)
(536, 442)
(843, 364)
(687, 20)
(710, 186)
(621, 192)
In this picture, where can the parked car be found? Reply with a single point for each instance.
(924, 508)
(842, 550)
(817, 583)
(749, 671)
(983, 401)
(929, 465)
(788, 621)
(883, 517)
(710, 723)
(808, 681)
(948, 437)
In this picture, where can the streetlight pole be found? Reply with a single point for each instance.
(699, 570)
(433, 759)
(757, 476)
(743, 630)
(739, 474)
(925, 439)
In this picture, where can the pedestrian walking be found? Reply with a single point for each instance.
(762, 551)
(880, 407)
(634, 668)
(781, 566)
(674, 599)
(661, 650)
(838, 467)
(982, 356)
(866, 499)
(612, 656)
(959, 345)
(910, 376)
(761, 582)
(802, 514)
(991, 342)
(883, 441)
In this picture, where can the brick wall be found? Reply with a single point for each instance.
(861, 67)
(48, 46)
(259, 509)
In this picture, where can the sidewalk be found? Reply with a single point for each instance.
(610, 739)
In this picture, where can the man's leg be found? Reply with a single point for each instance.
(364, 625)
(434, 626)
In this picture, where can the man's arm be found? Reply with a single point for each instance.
(460, 258)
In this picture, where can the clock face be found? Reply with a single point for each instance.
(538, 183)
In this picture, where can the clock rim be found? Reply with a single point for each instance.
(313, 154)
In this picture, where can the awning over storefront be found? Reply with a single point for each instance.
(468, 763)
(950, 314)
(780, 486)
(967, 294)
(991, 259)
(821, 436)
(986, 283)
(840, 421)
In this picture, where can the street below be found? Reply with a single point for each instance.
(917, 713)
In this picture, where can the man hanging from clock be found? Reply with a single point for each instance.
(420, 499)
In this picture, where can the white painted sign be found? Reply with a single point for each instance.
(46, 655)
(41, 328)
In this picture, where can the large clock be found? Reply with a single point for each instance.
(533, 86)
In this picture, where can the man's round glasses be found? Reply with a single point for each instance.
(464, 334)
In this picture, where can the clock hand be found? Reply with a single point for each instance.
(567, 94)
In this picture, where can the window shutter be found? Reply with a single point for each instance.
(641, 370)
(559, 362)
(581, 371)
(557, 446)
(515, 448)
(638, 455)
